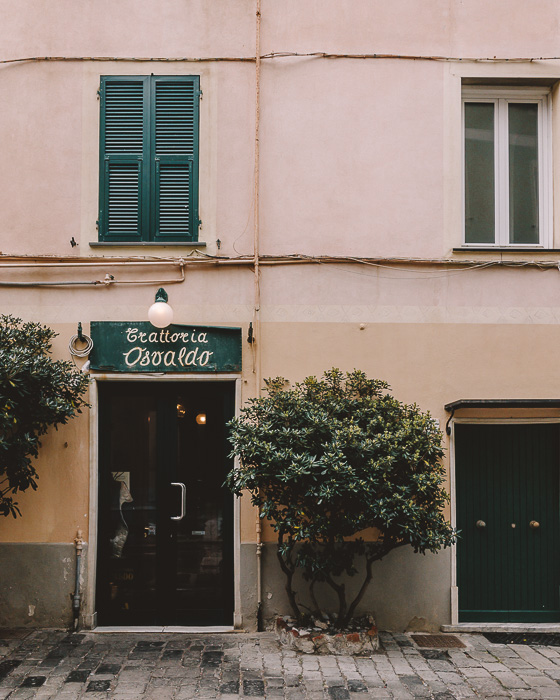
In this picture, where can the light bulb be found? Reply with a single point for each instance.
(160, 314)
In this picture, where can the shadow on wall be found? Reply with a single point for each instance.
(409, 592)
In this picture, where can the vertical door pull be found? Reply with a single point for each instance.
(183, 500)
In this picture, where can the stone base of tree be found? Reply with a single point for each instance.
(362, 641)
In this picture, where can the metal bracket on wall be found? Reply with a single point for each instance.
(447, 425)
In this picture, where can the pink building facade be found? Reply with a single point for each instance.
(340, 183)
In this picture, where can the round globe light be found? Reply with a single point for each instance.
(160, 314)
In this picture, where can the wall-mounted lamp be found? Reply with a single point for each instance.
(160, 314)
(201, 419)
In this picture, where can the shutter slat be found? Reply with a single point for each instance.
(175, 109)
(174, 184)
(124, 113)
(123, 200)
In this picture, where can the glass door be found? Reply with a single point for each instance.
(165, 550)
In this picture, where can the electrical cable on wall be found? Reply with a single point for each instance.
(85, 350)
(286, 54)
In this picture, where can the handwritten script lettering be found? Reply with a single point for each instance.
(190, 354)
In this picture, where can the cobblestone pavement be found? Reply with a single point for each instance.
(123, 666)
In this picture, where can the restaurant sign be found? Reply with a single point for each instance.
(125, 346)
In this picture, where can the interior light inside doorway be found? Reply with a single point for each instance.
(160, 314)
(201, 419)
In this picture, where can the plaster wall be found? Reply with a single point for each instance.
(203, 27)
(438, 27)
(38, 581)
(435, 336)
(358, 158)
(407, 593)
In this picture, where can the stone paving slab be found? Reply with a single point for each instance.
(47, 664)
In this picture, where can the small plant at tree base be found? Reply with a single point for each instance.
(36, 392)
(328, 459)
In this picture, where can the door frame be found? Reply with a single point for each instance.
(454, 593)
(89, 607)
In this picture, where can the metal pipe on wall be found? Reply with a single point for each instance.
(76, 598)
(257, 286)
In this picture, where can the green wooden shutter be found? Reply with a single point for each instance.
(123, 174)
(175, 158)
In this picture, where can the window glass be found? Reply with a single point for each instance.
(479, 172)
(523, 173)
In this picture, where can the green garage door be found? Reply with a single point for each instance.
(508, 517)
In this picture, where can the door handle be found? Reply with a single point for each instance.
(480, 523)
(534, 524)
(183, 500)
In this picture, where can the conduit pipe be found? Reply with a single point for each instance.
(257, 285)
(76, 598)
(97, 263)
(297, 259)
(107, 281)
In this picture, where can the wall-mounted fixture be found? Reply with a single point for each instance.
(201, 419)
(250, 334)
(80, 344)
(160, 314)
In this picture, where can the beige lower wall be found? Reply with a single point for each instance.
(428, 363)
(408, 591)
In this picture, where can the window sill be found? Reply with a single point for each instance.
(505, 249)
(143, 244)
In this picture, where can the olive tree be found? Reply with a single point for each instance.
(36, 392)
(330, 458)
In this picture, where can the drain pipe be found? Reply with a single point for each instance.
(257, 288)
(259, 573)
(76, 598)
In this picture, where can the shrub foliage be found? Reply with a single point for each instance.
(36, 392)
(326, 460)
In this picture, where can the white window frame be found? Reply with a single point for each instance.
(501, 97)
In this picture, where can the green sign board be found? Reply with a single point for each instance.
(129, 346)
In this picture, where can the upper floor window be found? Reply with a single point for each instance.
(149, 159)
(507, 167)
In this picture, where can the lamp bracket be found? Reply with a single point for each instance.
(161, 295)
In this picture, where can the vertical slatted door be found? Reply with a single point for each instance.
(175, 164)
(507, 475)
(123, 170)
(535, 571)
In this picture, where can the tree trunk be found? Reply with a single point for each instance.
(389, 546)
(289, 571)
(340, 590)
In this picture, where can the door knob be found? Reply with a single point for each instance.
(480, 523)
(534, 524)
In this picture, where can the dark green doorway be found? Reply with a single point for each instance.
(507, 486)
(165, 523)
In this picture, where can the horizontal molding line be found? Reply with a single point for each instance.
(285, 54)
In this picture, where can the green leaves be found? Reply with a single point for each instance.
(36, 392)
(331, 457)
